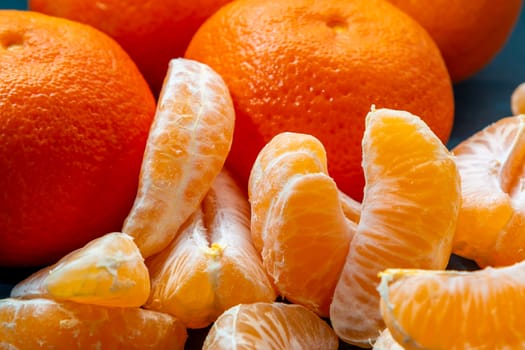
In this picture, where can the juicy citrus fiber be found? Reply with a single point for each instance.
(74, 118)
(212, 264)
(151, 31)
(316, 67)
(408, 217)
(386, 342)
(469, 310)
(271, 326)
(468, 33)
(298, 220)
(42, 323)
(492, 215)
(107, 271)
(186, 149)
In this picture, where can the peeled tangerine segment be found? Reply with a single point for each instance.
(270, 326)
(189, 140)
(492, 215)
(48, 324)
(445, 310)
(298, 218)
(302, 255)
(212, 264)
(286, 155)
(517, 100)
(408, 217)
(107, 271)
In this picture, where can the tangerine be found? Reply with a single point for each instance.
(152, 32)
(468, 33)
(316, 67)
(74, 117)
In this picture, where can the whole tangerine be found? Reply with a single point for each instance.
(468, 33)
(74, 118)
(151, 31)
(316, 67)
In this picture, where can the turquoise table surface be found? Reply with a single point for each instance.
(13, 4)
(480, 100)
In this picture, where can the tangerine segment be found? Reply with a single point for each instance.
(408, 217)
(492, 214)
(517, 100)
(43, 323)
(271, 326)
(468, 310)
(188, 142)
(307, 239)
(287, 154)
(212, 264)
(107, 271)
(298, 218)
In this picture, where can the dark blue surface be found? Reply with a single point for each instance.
(13, 4)
(485, 97)
(480, 100)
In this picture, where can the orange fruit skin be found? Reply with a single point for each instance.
(316, 67)
(48, 324)
(151, 31)
(74, 117)
(468, 33)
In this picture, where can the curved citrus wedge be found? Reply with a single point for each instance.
(408, 217)
(298, 219)
(385, 341)
(492, 215)
(107, 271)
(187, 146)
(286, 155)
(270, 326)
(212, 264)
(426, 309)
(47, 324)
(517, 100)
